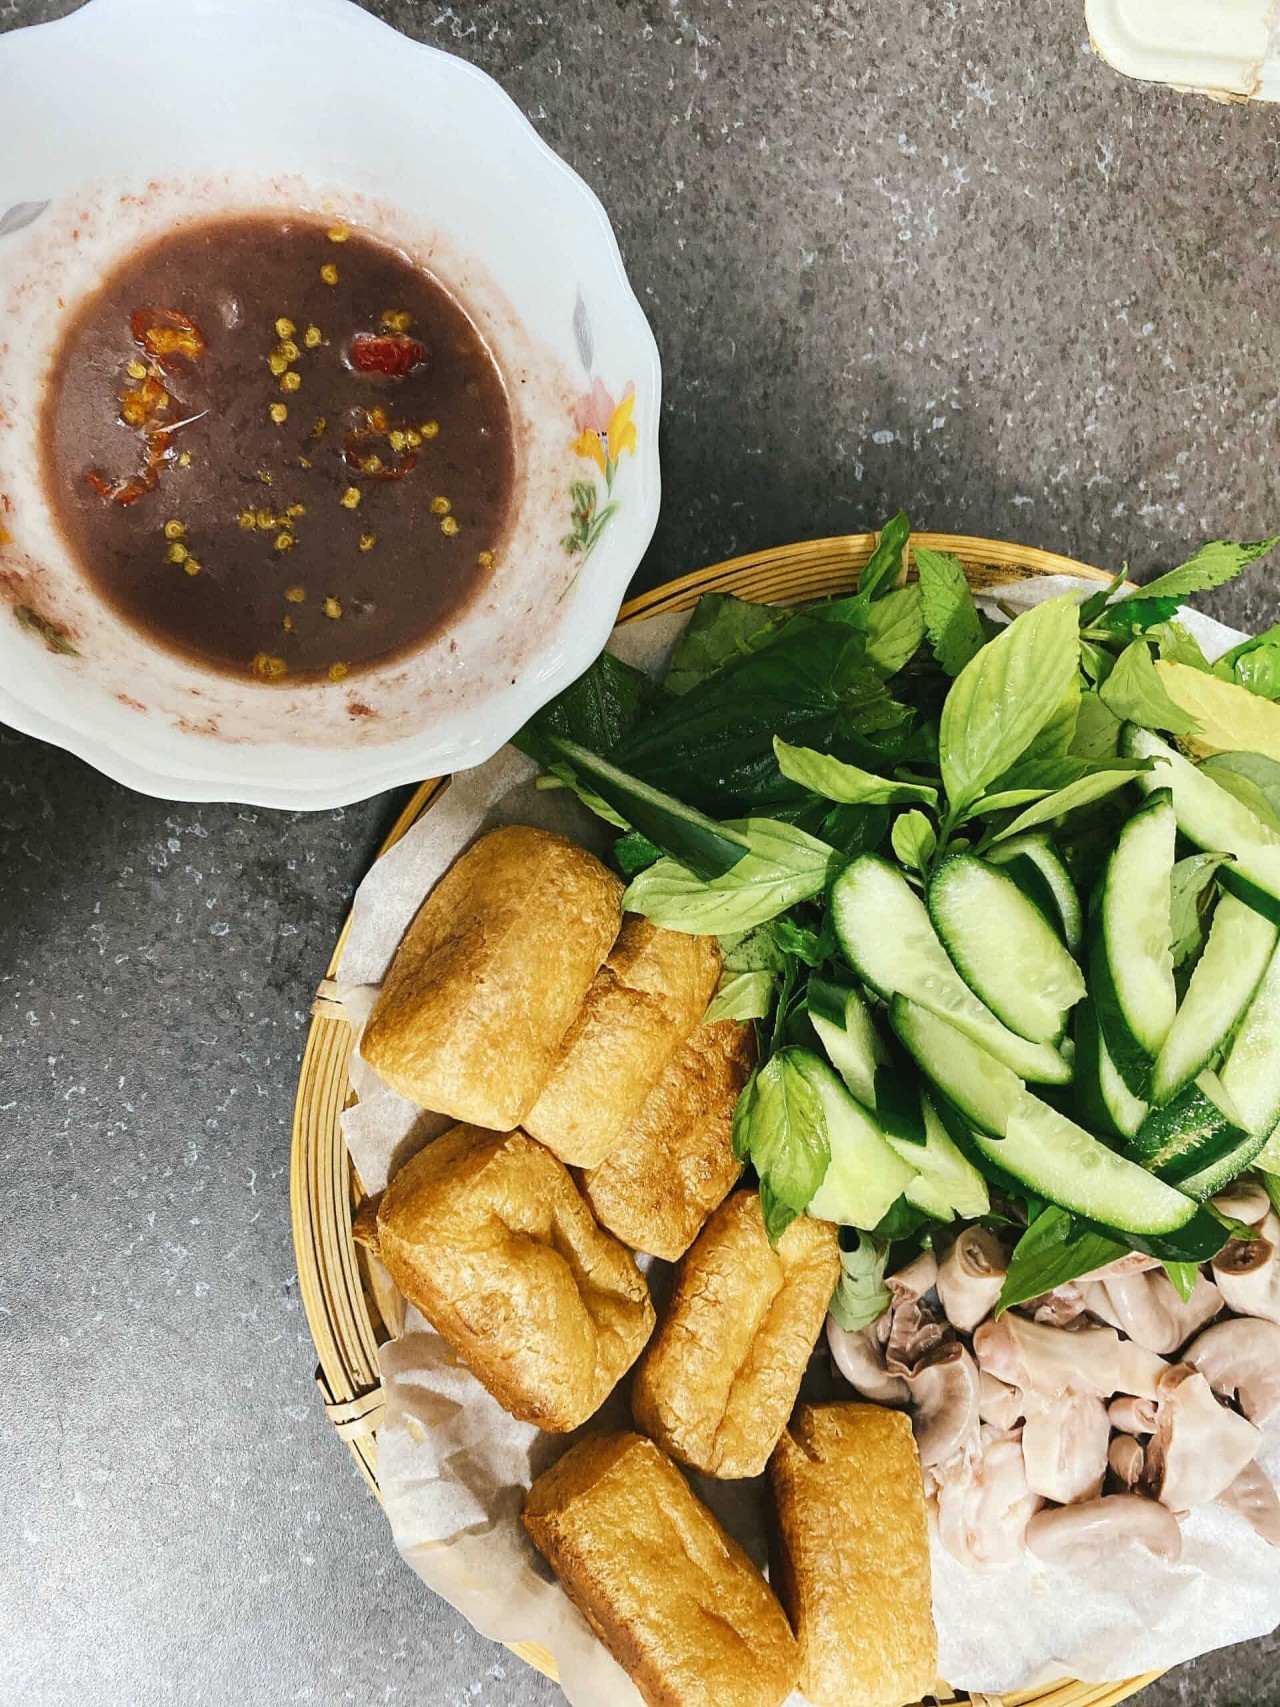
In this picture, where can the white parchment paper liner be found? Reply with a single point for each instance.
(453, 1466)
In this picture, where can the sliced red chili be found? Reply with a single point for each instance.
(165, 333)
(129, 490)
(389, 353)
(363, 446)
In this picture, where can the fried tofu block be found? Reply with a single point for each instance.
(854, 1555)
(675, 1163)
(719, 1378)
(491, 975)
(677, 1603)
(488, 1235)
(645, 1000)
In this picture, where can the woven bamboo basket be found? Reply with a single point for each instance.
(325, 1190)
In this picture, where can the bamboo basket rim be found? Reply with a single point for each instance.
(323, 1188)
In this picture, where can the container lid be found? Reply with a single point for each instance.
(1229, 49)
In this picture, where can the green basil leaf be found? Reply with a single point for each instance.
(914, 841)
(1096, 786)
(1004, 696)
(1240, 782)
(950, 615)
(855, 829)
(1189, 897)
(1045, 763)
(1259, 671)
(1213, 565)
(1098, 728)
(783, 866)
(783, 1134)
(1255, 768)
(1177, 645)
(741, 996)
(885, 564)
(895, 628)
(1184, 1276)
(698, 842)
(1134, 692)
(849, 784)
(1004, 800)
(861, 1297)
(811, 947)
(632, 852)
(776, 1215)
(1054, 1250)
(721, 629)
(752, 951)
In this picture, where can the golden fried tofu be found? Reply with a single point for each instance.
(645, 1000)
(674, 1599)
(718, 1380)
(853, 1566)
(675, 1163)
(488, 1235)
(491, 974)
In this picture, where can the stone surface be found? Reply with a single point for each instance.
(938, 257)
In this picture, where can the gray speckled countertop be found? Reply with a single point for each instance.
(935, 256)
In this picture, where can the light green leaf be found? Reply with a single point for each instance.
(861, 1297)
(1259, 671)
(1045, 764)
(950, 615)
(914, 841)
(1177, 645)
(1184, 1276)
(783, 865)
(1095, 786)
(742, 996)
(1256, 769)
(1055, 1249)
(895, 628)
(752, 951)
(1135, 693)
(780, 1128)
(833, 779)
(1003, 800)
(1188, 902)
(1004, 697)
(1213, 565)
(1097, 733)
(885, 563)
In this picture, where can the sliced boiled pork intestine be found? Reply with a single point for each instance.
(1089, 1534)
(983, 1513)
(859, 1356)
(1148, 1309)
(1126, 1459)
(944, 1398)
(1000, 1405)
(1254, 1497)
(1052, 1361)
(1065, 1448)
(1247, 1272)
(1199, 1446)
(1240, 1360)
(970, 1277)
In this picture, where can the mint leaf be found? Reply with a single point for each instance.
(914, 841)
(950, 615)
(1213, 565)
(885, 563)
(721, 629)
(783, 865)
(895, 628)
(1096, 786)
(1004, 697)
(780, 1128)
(1135, 693)
(741, 996)
(1135, 615)
(848, 784)
(1055, 1249)
(861, 1297)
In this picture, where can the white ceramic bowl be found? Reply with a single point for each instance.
(132, 116)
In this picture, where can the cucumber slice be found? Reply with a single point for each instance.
(1251, 1073)
(1132, 960)
(864, 1176)
(1004, 948)
(1106, 1101)
(1214, 820)
(1033, 1142)
(1240, 946)
(884, 929)
(847, 1032)
(1036, 866)
(1189, 1133)
(947, 1183)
